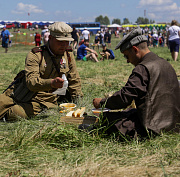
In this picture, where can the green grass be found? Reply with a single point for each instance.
(43, 146)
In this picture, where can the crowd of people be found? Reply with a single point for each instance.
(165, 38)
(169, 37)
(86, 50)
(155, 91)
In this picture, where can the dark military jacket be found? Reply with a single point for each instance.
(154, 86)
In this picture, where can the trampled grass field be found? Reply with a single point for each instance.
(45, 147)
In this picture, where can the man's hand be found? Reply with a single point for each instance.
(57, 82)
(96, 53)
(93, 51)
(96, 102)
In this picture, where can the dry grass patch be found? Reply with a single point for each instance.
(97, 81)
(108, 168)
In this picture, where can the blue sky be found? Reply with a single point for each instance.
(88, 10)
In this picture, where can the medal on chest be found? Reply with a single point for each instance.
(62, 63)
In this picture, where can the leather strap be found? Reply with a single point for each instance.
(57, 69)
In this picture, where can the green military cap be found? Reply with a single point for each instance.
(61, 31)
(135, 37)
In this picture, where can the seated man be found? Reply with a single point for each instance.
(154, 87)
(106, 53)
(82, 52)
(45, 68)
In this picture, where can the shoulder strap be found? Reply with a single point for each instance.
(69, 49)
(36, 49)
(39, 49)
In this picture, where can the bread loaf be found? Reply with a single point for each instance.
(74, 114)
(81, 112)
(69, 114)
(77, 113)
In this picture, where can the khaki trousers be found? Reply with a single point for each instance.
(14, 110)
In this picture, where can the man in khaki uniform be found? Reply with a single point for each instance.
(44, 68)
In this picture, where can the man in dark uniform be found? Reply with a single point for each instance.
(45, 68)
(154, 87)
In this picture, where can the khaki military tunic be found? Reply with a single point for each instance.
(39, 71)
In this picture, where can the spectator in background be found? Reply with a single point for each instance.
(109, 39)
(86, 34)
(75, 36)
(173, 37)
(117, 33)
(97, 40)
(124, 33)
(127, 29)
(80, 36)
(5, 37)
(105, 36)
(43, 31)
(82, 52)
(149, 39)
(165, 38)
(161, 40)
(101, 37)
(155, 39)
(46, 36)
(106, 53)
(37, 39)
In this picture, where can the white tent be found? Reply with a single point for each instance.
(114, 26)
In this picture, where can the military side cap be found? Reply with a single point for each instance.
(61, 31)
(135, 37)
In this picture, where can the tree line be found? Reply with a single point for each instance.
(105, 20)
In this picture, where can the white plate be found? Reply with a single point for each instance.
(99, 110)
(68, 106)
